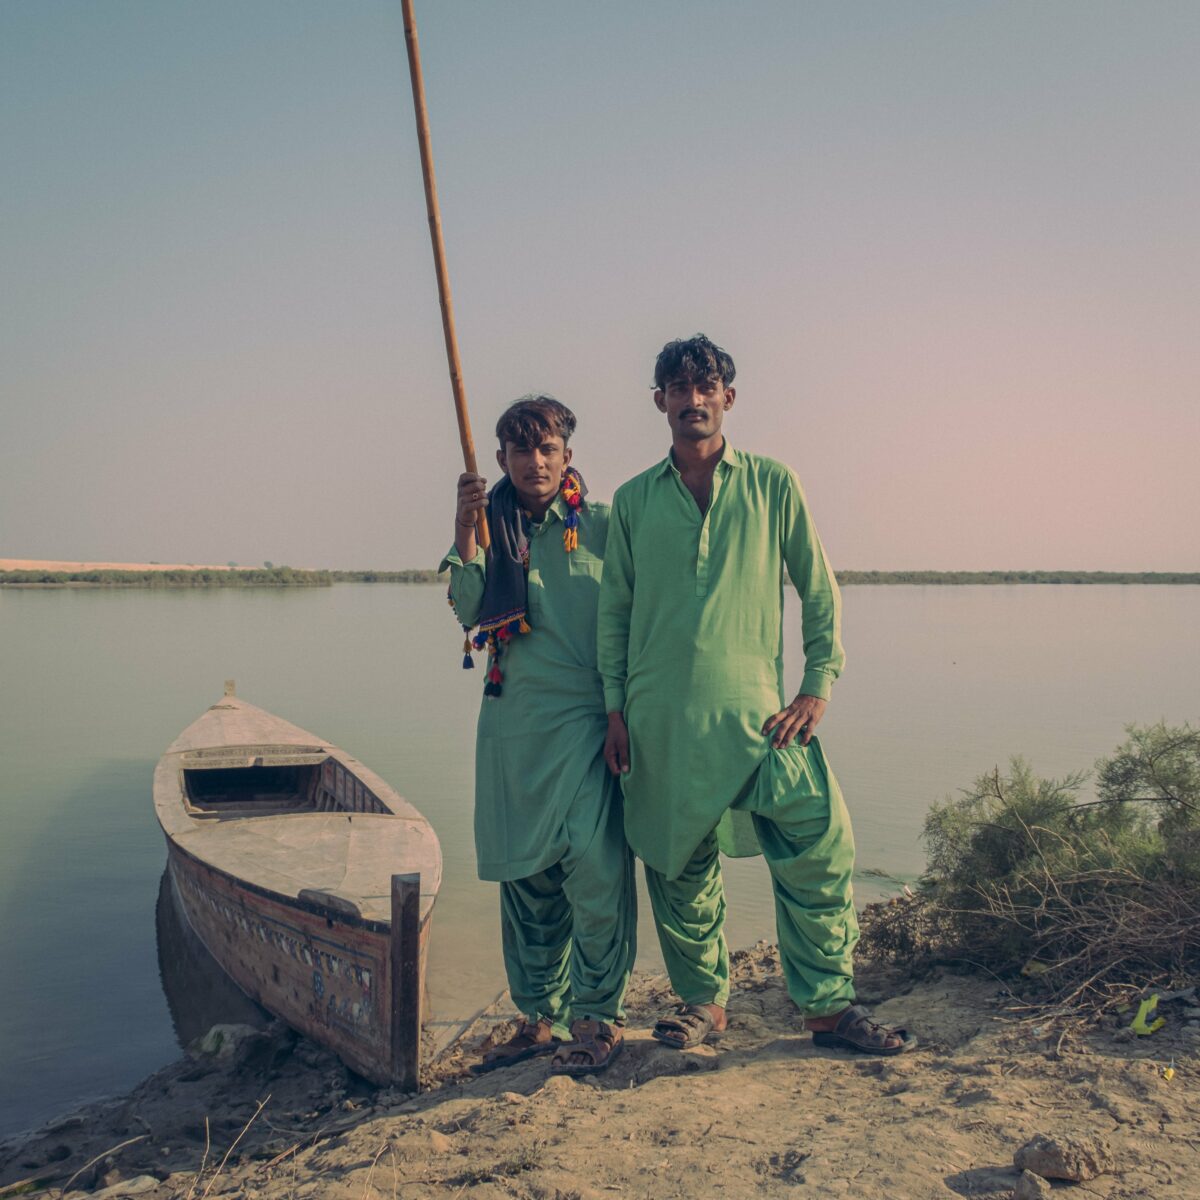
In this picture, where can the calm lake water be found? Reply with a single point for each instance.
(942, 683)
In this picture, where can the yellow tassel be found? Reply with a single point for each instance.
(524, 626)
(570, 539)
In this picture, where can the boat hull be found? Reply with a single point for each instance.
(308, 880)
(323, 973)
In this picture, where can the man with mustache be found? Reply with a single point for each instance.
(711, 757)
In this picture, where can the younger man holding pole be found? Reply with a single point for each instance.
(691, 653)
(548, 816)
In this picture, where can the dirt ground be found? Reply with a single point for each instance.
(761, 1113)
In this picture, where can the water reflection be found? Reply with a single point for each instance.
(199, 993)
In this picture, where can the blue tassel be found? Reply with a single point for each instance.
(468, 663)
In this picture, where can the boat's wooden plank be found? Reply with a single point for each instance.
(351, 857)
(325, 978)
(405, 956)
(233, 722)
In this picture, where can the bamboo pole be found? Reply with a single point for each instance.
(439, 255)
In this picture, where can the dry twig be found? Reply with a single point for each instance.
(91, 1162)
(233, 1146)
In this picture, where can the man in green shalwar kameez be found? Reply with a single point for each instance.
(691, 654)
(548, 815)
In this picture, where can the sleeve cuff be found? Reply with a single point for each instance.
(614, 697)
(454, 559)
(817, 683)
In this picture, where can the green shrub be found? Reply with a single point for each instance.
(1088, 897)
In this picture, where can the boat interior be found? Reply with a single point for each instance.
(268, 790)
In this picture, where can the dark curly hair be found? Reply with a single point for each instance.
(527, 421)
(694, 358)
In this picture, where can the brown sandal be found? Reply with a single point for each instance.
(689, 1026)
(600, 1041)
(531, 1039)
(856, 1031)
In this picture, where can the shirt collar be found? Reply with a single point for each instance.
(729, 456)
(558, 508)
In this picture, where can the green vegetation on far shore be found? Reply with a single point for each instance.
(255, 577)
(411, 575)
(851, 578)
(292, 577)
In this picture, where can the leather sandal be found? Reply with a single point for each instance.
(689, 1026)
(601, 1042)
(531, 1039)
(856, 1031)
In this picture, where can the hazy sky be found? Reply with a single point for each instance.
(953, 247)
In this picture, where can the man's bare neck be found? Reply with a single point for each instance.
(698, 458)
(537, 509)
(696, 463)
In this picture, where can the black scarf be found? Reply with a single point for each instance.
(504, 610)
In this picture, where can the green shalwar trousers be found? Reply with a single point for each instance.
(570, 932)
(802, 824)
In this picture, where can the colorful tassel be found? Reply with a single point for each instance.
(572, 494)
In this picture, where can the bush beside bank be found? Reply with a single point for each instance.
(1080, 903)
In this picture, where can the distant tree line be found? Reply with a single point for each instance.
(961, 577)
(272, 576)
(411, 575)
(254, 577)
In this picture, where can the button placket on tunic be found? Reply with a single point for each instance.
(705, 522)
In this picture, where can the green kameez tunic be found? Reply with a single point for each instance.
(539, 746)
(691, 647)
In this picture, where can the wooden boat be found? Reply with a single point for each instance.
(307, 878)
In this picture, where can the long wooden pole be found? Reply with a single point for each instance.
(439, 253)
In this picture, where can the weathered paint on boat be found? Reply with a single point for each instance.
(307, 877)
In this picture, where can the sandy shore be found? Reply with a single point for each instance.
(41, 564)
(762, 1113)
